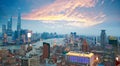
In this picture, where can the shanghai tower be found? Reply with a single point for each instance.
(19, 26)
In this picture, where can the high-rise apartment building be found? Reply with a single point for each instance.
(103, 40)
(46, 50)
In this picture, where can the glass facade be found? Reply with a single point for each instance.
(76, 59)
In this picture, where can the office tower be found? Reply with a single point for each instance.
(4, 39)
(19, 21)
(9, 30)
(9, 27)
(24, 37)
(72, 38)
(113, 40)
(103, 38)
(85, 46)
(18, 27)
(3, 29)
(74, 34)
(95, 40)
(4, 35)
(15, 35)
(46, 50)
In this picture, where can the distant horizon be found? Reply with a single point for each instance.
(87, 17)
(83, 31)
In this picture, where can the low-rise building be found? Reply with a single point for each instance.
(80, 58)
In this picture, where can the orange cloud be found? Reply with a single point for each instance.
(65, 10)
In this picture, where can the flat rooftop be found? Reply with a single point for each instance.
(80, 54)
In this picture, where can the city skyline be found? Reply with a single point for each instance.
(86, 17)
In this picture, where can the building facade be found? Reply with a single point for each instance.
(46, 50)
(79, 58)
(19, 27)
(103, 39)
(9, 27)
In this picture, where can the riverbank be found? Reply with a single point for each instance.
(37, 44)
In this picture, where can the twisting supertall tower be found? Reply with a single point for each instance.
(19, 26)
(19, 21)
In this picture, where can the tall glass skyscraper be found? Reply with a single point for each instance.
(19, 21)
(4, 35)
(103, 40)
(9, 27)
(3, 29)
(18, 27)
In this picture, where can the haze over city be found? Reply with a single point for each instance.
(59, 33)
(86, 17)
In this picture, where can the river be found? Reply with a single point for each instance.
(58, 41)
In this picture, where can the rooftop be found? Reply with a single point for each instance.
(82, 54)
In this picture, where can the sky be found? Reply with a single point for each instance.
(87, 17)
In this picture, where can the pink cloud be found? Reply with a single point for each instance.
(65, 10)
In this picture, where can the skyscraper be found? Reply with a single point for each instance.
(46, 50)
(18, 27)
(19, 21)
(4, 35)
(85, 46)
(9, 27)
(3, 29)
(103, 38)
(9, 30)
(95, 40)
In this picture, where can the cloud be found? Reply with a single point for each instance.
(66, 10)
(102, 2)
